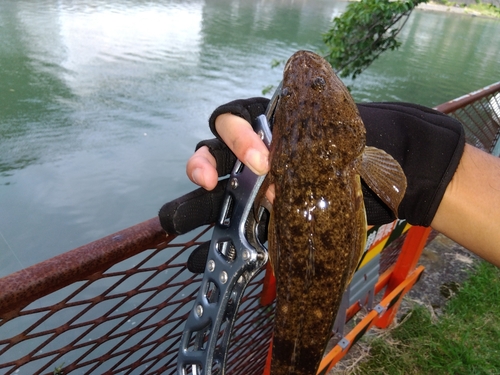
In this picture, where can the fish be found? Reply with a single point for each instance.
(317, 229)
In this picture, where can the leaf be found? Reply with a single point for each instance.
(365, 30)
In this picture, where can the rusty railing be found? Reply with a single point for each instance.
(479, 111)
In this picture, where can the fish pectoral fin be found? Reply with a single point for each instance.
(383, 174)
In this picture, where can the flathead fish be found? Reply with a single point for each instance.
(318, 223)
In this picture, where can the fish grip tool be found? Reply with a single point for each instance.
(235, 256)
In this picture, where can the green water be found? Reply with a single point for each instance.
(102, 102)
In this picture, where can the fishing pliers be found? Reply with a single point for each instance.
(235, 256)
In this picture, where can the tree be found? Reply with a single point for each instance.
(365, 30)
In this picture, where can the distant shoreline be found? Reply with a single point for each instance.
(434, 7)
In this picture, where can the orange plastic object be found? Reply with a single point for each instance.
(410, 253)
(389, 301)
(267, 369)
(269, 287)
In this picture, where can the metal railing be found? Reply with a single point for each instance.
(479, 112)
(118, 305)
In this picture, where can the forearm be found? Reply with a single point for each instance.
(469, 213)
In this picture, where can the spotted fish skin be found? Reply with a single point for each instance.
(318, 222)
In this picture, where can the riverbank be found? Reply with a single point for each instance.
(477, 10)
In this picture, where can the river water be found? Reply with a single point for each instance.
(102, 102)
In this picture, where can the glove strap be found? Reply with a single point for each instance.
(223, 155)
(248, 109)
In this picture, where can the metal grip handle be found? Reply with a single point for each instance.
(232, 262)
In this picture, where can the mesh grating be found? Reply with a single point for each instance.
(483, 122)
(127, 320)
(479, 112)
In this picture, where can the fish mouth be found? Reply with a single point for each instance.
(313, 67)
(304, 58)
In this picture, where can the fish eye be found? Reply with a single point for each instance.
(318, 83)
(285, 91)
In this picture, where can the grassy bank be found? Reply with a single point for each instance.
(464, 340)
(484, 9)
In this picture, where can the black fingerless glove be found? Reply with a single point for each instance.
(248, 109)
(427, 144)
(201, 206)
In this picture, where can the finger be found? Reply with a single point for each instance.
(201, 169)
(192, 210)
(238, 134)
(270, 193)
(197, 260)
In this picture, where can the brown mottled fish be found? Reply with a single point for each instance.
(318, 222)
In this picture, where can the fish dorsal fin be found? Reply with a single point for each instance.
(383, 174)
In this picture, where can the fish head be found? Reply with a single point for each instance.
(316, 105)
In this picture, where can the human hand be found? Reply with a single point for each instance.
(239, 136)
(213, 159)
(427, 144)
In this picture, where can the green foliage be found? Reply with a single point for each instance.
(266, 90)
(365, 30)
(269, 89)
(59, 370)
(275, 63)
(464, 340)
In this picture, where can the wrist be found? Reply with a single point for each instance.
(469, 212)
